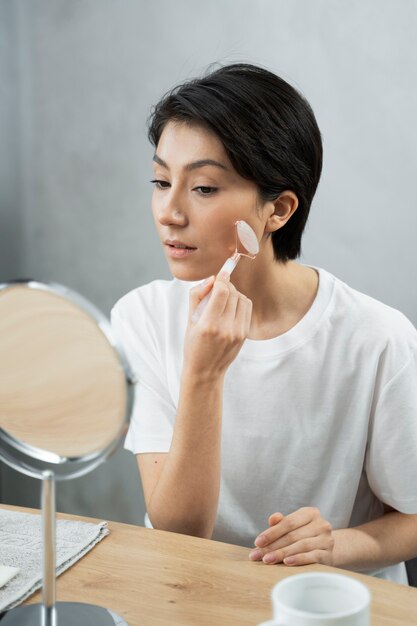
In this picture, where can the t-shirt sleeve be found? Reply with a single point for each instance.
(153, 414)
(391, 460)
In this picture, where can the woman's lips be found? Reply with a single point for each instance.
(178, 252)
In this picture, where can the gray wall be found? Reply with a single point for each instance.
(77, 81)
(10, 231)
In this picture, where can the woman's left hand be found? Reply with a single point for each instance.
(301, 538)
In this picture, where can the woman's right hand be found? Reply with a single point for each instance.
(214, 340)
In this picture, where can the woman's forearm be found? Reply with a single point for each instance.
(185, 499)
(389, 539)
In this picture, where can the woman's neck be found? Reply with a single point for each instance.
(281, 294)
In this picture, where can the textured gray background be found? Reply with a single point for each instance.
(77, 79)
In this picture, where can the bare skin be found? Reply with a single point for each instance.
(197, 204)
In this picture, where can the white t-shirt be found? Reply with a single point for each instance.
(324, 415)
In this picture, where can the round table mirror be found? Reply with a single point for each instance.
(66, 394)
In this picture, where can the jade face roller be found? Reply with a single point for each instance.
(246, 237)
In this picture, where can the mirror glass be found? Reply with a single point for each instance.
(62, 386)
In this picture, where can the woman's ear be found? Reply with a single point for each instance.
(281, 210)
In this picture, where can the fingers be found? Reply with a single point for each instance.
(314, 529)
(309, 530)
(226, 302)
(290, 523)
(297, 539)
(275, 518)
(219, 322)
(305, 546)
(229, 311)
(200, 291)
(308, 558)
(221, 292)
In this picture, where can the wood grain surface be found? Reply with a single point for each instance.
(156, 578)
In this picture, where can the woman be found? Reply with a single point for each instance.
(285, 416)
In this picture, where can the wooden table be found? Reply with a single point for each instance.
(156, 578)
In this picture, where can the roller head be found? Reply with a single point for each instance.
(247, 237)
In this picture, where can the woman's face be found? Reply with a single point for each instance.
(197, 199)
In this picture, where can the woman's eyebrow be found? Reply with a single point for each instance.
(194, 165)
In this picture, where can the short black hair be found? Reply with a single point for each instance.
(267, 128)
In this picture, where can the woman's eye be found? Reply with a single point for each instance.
(205, 191)
(160, 184)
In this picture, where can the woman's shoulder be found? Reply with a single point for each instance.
(369, 317)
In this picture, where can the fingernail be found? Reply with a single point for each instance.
(261, 541)
(255, 555)
(290, 560)
(269, 558)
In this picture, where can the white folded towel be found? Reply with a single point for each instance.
(21, 547)
(7, 573)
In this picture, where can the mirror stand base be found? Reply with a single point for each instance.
(67, 614)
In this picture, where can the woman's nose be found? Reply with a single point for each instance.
(169, 214)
